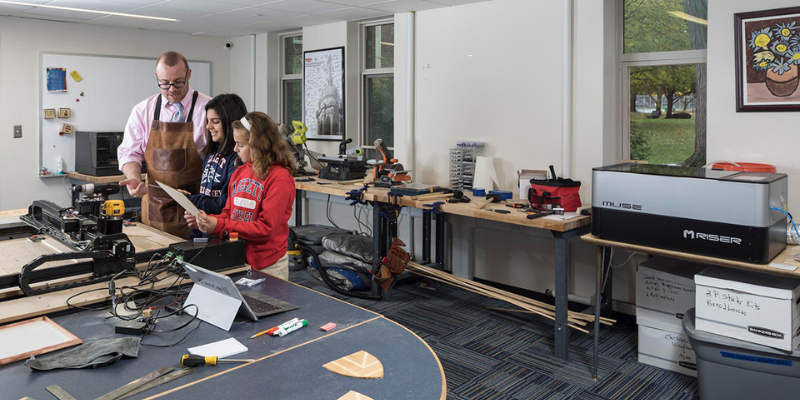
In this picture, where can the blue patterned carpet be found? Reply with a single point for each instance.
(503, 356)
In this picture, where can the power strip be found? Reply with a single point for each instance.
(130, 328)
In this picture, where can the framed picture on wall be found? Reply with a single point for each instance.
(323, 93)
(767, 60)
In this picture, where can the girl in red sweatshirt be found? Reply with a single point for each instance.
(260, 196)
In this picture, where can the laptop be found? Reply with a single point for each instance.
(219, 300)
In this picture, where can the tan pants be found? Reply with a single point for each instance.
(280, 269)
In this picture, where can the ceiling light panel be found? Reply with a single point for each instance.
(211, 7)
(263, 14)
(353, 2)
(166, 12)
(126, 22)
(302, 6)
(354, 13)
(95, 5)
(398, 6)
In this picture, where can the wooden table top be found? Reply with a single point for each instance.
(465, 209)
(788, 258)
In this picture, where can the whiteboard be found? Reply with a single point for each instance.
(111, 86)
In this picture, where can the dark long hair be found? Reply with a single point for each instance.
(230, 107)
(267, 146)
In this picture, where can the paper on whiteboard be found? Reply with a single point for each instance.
(180, 198)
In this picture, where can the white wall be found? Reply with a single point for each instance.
(765, 137)
(240, 67)
(21, 41)
(509, 94)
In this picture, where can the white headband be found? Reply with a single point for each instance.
(245, 122)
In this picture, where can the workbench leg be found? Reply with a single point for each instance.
(562, 330)
(377, 242)
(440, 222)
(426, 237)
(598, 279)
(607, 282)
(298, 207)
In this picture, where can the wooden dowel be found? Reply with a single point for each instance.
(529, 305)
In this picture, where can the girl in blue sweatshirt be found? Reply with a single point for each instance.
(219, 158)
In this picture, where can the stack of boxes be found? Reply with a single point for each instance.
(665, 290)
(756, 308)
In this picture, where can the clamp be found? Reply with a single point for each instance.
(394, 198)
(434, 208)
(357, 196)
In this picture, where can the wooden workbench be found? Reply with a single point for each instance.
(550, 223)
(561, 230)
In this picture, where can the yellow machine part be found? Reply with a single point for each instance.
(113, 208)
(299, 135)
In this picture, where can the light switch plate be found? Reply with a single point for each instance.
(17, 131)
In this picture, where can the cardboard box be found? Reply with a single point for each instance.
(665, 290)
(525, 176)
(666, 349)
(753, 307)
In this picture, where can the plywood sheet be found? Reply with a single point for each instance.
(357, 365)
(353, 395)
(15, 253)
(33, 337)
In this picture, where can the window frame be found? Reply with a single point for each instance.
(365, 73)
(289, 77)
(628, 61)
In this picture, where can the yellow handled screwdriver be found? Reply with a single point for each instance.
(194, 360)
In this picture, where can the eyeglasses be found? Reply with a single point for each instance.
(177, 84)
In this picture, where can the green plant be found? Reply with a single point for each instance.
(640, 146)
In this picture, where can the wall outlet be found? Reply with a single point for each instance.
(17, 131)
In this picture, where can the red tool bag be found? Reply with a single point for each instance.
(556, 190)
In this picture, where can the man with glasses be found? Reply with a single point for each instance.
(167, 131)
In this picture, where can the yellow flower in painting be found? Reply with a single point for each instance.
(785, 32)
(762, 40)
(763, 64)
(780, 47)
(796, 56)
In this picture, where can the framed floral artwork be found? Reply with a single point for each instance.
(768, 60)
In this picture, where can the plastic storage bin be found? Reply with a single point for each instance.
(729, 368)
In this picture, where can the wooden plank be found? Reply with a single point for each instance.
(28, 307)
(786, 257)
(30, 334)
(98, 179)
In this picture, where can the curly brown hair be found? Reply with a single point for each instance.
(267, 145)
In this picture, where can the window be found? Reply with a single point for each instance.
(378, 86)
(664, 81)
(292, 79)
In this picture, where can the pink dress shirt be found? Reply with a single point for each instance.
(137, 131)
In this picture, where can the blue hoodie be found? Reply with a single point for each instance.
(217, 171)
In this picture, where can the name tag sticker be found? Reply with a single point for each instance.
(244, 203)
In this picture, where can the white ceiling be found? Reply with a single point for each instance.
(226, 18)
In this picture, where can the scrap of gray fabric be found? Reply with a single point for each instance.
(94, 354)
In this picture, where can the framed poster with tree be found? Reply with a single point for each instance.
(323, 93)
(768, 60)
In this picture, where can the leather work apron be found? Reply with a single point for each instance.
(172, 159)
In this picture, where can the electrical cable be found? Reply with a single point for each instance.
(790, 219)
(328, 212)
